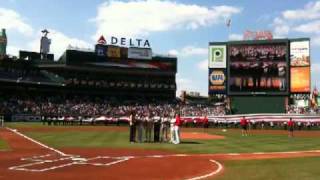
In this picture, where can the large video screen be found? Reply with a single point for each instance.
(260, 68)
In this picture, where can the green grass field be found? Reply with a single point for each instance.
(293, 169)
(3, 145)
(233, 143)
(282, 169)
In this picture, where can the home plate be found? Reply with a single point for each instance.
(79, 159)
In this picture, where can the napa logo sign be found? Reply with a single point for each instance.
(217, 77)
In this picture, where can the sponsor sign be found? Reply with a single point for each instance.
(125, 42)
(299, 53)
(113, 52)
(217, 81)
(257, 35)
(101, 50)
(217, 56)
(300, 80)
(139, 53)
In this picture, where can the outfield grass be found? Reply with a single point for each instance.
(233, 143)
(3, 145)
(282, 169)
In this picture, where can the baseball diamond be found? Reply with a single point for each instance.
(159, 90)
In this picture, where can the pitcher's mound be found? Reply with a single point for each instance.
(199, 135)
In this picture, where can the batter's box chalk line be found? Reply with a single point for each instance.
(48, 161)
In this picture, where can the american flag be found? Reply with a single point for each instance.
(228, 22)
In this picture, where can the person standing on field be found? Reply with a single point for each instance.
(244, 126)
(177, 125)
(156, 129)
(205, 123)
(290, 127)
(132, 125)
(165, 125)
(149, 127)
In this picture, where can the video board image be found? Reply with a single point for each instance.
(258, 68)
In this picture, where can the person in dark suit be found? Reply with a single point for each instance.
(132, 125)
(156, 128)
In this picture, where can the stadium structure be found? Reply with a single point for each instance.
(260, 76)
(114, 71)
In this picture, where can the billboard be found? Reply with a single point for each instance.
(139, 53)
(300, 80)
(217, 81)
(113, 52)
(217, 56)
(300, 53)
(101, 50)
(258, 68)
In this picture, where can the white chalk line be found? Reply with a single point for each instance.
(37, 142)
(220, 167)
(77, 160)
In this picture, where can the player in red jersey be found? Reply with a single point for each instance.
(244, 126)
(290, 127)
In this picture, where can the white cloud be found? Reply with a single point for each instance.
(173, 52)
(309, 12)
(11, 20)
(304, 20)
(203, 65)
(139, 18)
(59, 42)
(311, 27)
(193, 51)
(235, 37)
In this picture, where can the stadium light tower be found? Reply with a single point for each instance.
(44, 44)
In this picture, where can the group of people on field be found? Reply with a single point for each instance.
(245, 126)
(154, 128)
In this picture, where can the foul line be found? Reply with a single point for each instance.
(220, 167)
(37, 142)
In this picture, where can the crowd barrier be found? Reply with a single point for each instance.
(219, 119)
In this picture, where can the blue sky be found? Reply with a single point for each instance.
(182, 27)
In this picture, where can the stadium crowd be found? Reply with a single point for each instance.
(86, 106)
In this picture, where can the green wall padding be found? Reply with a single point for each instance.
(256, 104)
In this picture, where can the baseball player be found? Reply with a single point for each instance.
(290, 128)
(172, 132)
(177, 124)
(244, 126)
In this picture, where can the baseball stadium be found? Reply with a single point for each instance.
(112, 113)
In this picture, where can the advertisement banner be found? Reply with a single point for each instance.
(300, 80)
(217, 81)
(300, 53)
(139, 53)
(113, 52)
(217, 56)
(101, 50)
(258, 68)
